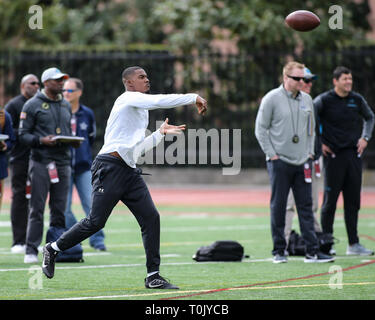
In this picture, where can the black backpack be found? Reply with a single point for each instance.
(296, 245)
(227, 250)
(326, 241)
(74, 254)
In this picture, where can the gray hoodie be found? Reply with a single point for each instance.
(279, 118)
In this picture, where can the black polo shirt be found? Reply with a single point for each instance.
(343, 120)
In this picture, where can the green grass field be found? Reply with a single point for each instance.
(119, 272)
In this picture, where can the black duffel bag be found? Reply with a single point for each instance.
(226, 250)
(296, 245)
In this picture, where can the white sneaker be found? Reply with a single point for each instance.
(332, 252)
(30, 258)
(18, 248)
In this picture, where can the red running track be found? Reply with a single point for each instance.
(238, 197)
(215, 196)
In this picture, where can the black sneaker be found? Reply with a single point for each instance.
(319, 257)
(156, 281)
(48, 264)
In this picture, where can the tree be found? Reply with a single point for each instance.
(72, 24)
(181, 25)
(255, 24)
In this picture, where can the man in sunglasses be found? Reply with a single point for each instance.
(43, 117)
(347, 124)
(19, 164)
(83, 125)
(285, 129)
(315, 170)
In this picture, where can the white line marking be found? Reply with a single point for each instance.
(5, 224)
(140, 245)
(91, 254)
(207, 290)
(131, 265)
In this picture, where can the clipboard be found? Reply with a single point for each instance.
(67, 139)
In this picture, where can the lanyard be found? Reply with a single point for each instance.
(295, 138)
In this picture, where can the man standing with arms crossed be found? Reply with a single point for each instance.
(116, 178)
(19, 164)
(285, 129)
(347, 123)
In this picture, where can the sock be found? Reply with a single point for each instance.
(152, 273)
(54, 246)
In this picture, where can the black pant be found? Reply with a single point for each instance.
(40, 188)
(19, 205)
(342, 173)
(114, 181)
(284, 176)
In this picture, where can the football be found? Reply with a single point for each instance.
(302, 20)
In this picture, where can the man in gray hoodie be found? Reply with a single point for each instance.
(43, 117)
(285, 131)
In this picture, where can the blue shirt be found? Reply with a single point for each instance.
(8, 130)
(86, 128)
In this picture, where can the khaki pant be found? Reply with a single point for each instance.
(1, 191)
(290, 207)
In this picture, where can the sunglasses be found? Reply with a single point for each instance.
(34, 83)
(296, 78)
(59, 79)
(70, 90)
(307, 80)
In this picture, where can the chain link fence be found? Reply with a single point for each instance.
(233, 84)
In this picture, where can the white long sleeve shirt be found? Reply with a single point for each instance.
(128, 121)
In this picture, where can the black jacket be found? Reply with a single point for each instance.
(343, 120)
(19, 153)
(41, 117)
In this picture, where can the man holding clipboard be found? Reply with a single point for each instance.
(45, 128)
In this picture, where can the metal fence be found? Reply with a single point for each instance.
(232, 84)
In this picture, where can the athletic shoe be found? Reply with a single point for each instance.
(30, 258)
(18, 248)
(278, 258)
(358, 249)
(319, 257)
(156, 281)
(100, 247)
(49, 256)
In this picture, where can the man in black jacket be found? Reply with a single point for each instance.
(43, 117)
(347, 123)
(19, 164)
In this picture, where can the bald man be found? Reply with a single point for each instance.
(19, 163)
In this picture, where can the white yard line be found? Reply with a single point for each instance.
(131, 265)
(208, 290)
